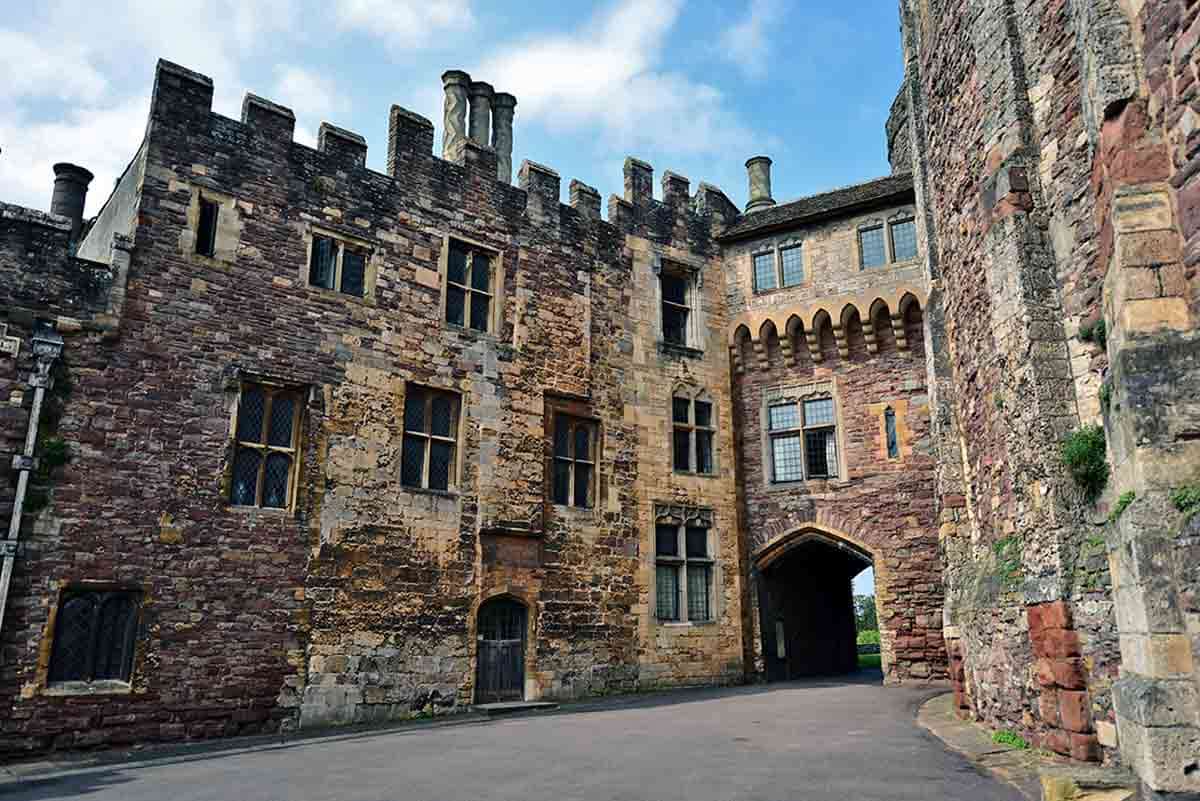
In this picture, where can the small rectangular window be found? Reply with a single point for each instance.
(264, 462)
(820, 439)
(764, 272)
(354, 272)
(338, 266)
(574, 461)
(94, 635)
(683, 573)
(428, 452)
(676, 286)
(692, 435)
(871, 247)
(206, 227)
(904, 240)
(469, 286)
(322, 267)
(793, 265)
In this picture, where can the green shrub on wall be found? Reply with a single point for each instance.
(1085, 455)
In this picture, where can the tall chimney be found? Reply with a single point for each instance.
(503, 107)
(454, 121)
(70, 193)
(758, 170)
(481, 111)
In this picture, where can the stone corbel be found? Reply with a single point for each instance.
(869, 336)
(735, 356)
(898, 330)
(843, 344)
(814, 346)
(785, 347)
(760, 354)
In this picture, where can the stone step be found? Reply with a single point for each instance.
(508, 709)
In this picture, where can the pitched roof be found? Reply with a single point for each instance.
(891, 188)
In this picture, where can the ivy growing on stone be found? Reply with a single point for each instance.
(1187, 499)
(1008, 561)
(1085, 455)
(1121, 505)
(1097, 332)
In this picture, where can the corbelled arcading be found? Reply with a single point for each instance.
(481, 111)
(503, 107)
(454, 120)
(70, 194)
(758, 172)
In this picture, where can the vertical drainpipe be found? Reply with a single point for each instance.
(47, 345)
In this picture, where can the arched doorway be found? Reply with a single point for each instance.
(806, 606)
(500, 658)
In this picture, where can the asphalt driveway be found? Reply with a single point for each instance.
(809, 741)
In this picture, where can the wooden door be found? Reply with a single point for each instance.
(501, 653)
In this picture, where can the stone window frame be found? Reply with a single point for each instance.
(91, 687)
(457, 426)
(775, 248)
(206, 240)
(344, 239)
(578, 410)
(867, 227)
(901, 218)
(495, 312)
(226, 233)
(684, 517)
(693, 395)
(692, 271)
(897, 217)
(797, 394)
(272, 389)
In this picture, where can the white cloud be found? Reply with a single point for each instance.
(746, 43)
(32, 70)
(314, 98)
(406, 23)
(606, 75)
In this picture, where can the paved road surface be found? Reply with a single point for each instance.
(812, 741)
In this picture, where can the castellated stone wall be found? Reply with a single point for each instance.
(361, 603)
(854, 334)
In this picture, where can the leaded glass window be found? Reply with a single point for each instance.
(469, 279)
(783, 422)
(764, 272)
(94, 634)
(428, 452)
(692, 435)
(904, 240)
(792, 259)
(803, 440)
(574, 461)
(264, 460)
(683, 570)
(337, 265)
(872, 252)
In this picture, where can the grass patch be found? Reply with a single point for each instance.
(870, 661)
(1085, 455)
(1121, 505)
(1010, 738)
(868, 637)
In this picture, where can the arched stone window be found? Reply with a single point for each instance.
(684, 545)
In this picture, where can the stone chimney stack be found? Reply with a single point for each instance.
(454, 122)
(70, 193)
(481, 111)
(503, 107)
(758, 170)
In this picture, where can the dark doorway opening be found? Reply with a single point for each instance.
(501, 656)
(806, 608)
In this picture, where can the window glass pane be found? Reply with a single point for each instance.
(674, 289)
(206, 229)
(562, 436)
(764, 271)
(680, 409)
(412, 460)
(870, 244)
(414, 409)
(441, 415)
(275, 480)
(818, 412)
(583, 434)
(698, 592)
(480, 306)
(831, 460)
(481, 273)
(697, 542)
(793, 265)
(904, 240)
(354, 272)
(583, 484)
(456, 267)
(71, 659)
(245, 477)
(455, 305)
(115, 636)
(785, 452)
(441, 457)
(814, 445)
(251, 408)
(704, 452)
(667, 586)
(783, 416)
(321, 268)
(703, 413)
(283, 409)
(562, 482)
(666, 540)
(674, 325)
(893, 446)
(681, 449)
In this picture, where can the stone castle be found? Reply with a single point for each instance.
(297, 443)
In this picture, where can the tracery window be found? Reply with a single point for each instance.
(683, 554)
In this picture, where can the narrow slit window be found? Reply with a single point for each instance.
(206, 227)
(428, 451)
(264, 461)
(893, 444)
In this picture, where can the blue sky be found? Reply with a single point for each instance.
(693, 86)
